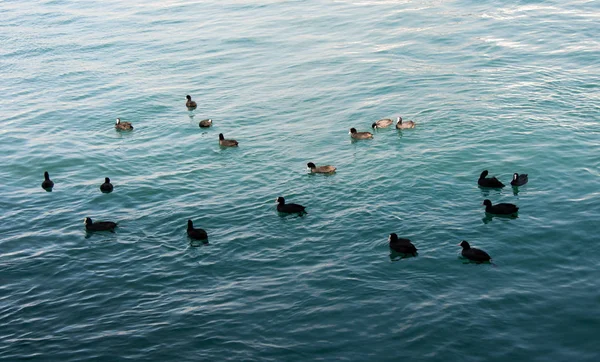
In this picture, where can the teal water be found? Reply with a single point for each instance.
(508, 87)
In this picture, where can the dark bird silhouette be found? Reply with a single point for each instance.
(360, 135)
(198, 234)
(519, 180)
(47, 184)
(99, 225)
(401, 245)
(205, 123)
(289, 208)
(500, 209)
(190, 104)
(106, 187)
(382, 123)
(404, 125)
(123, 126)
(474, 254)
(320, 169)
(227, 143)
(491, 182)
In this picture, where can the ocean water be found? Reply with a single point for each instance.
(504, 86)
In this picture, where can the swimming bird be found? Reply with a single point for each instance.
(106, 186)
(401, 245)
(519, 180)
(474, 254)
(123, 126)
(198, 234)
(227, 143)
(205, 123)
(321, 169)
(404, 125)
(99, 225)
(190, 104)
(382, 123)
(360, 135)
(47, 184)
(289, 208)
(491, 182)
(500, 209)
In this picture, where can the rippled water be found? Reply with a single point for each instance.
(508, 87)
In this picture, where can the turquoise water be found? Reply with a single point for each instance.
(508, 87)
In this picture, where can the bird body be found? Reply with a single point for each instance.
(491, 182)
(474, 254)
(123, 126)
(360, 135)
(190, 104)
(99, 225)
(227, 143)
(519, 180)
(205, 123)
(106, 186)
(382, 123)
(196, 233)
(404, 125)
(289, 208)
(320, 169)
(401, 245)
(47, 184)
(500, 209)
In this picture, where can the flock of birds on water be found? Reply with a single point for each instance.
(402, 246)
